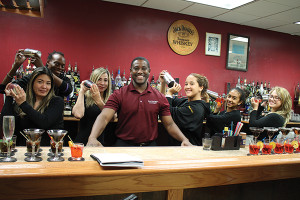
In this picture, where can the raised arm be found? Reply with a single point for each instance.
(100, 123)
(78, 109)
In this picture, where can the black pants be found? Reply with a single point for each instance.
(125, 143)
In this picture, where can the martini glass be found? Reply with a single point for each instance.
(56, 135)
(270, 131)
(8, 131)
(256, 131)
(34, 136)
(284, 131)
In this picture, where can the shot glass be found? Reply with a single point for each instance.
(76, 152)
(3, 147)
(267, 148)
(207, 143)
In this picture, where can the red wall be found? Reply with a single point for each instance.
(102, 33)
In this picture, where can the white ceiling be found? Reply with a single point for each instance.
(274, 15)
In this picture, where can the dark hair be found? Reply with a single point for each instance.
(243, 93)
(140, 58)
(50, 55)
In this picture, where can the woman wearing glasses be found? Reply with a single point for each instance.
(280, 104)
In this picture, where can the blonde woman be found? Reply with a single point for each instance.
(37, 108)
(91, 101)
(280, 103)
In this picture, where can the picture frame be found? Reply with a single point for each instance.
(213, 44)
(237, 52)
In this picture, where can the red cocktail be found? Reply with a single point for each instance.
(76, 151)
(253, 149)
(267, 148)
(288, 148)
(278, 148)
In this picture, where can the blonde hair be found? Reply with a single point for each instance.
(30, 95)
(286, 103)
(95, 76)
(202, 81)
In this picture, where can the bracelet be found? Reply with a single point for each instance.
(9, 76)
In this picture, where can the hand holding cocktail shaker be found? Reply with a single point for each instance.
(169, 80)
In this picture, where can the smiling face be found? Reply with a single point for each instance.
(233, 99)
(57, 64)
(192, 88)
(41, 86)
(274, 101)
(140, 72)
(102, 83)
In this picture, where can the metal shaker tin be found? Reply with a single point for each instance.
(169, 80)
(31, 52)
(88, 83)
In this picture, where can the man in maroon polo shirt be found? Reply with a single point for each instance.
(138, 106)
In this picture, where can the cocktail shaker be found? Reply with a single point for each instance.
(169, 80)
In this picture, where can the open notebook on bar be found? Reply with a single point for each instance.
(117, 160)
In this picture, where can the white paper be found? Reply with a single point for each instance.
(117, 160)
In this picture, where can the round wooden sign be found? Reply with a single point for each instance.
(183, 37)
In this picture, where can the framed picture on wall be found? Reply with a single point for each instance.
(213, 44)
(237, 52)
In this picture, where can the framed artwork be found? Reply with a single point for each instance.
(213, 44)
(237, 52)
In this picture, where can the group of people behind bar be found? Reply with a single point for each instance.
(136, 106)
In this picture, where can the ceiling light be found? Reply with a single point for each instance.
(297, 22)
(227, 4)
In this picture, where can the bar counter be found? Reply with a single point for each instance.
(170, 169)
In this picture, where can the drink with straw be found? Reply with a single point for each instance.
(267, 147)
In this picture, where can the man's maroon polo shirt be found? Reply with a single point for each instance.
(138, 112)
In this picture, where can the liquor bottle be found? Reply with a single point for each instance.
(124, 80)
(297, 95)
(245, 84)
(261, 88)
(118, 80)
(113, 84)
(158, 84)
(152, 83)
(68, 108)
(269, 87)
(69, 72)
(129, 80)
(93, 68)
(28, 68)
(238, 84)
(265, 88)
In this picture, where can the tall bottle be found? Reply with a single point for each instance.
(68, 108)
(158, 84)
(124, 80)
(129, 80)
(118, 81)
(113, 83)
(238, 84)
(152, 83)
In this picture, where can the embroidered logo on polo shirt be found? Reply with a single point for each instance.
(152, 102)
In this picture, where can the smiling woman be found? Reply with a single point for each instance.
(188, 113)
(37, 108)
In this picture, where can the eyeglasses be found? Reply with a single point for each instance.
(274, 97)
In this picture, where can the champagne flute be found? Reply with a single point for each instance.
(8, 131)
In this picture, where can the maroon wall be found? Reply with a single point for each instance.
(108, 34)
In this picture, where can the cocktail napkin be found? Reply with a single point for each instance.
(117, 160)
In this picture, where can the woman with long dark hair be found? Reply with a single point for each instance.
(37, 108)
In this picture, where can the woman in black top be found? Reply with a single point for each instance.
(280, 103)
(37, 108)
(189, 113)
(218, 120)
(90, 103)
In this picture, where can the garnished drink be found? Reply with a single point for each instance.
(266, 149)
(34, 136)
(253, 149)
(288, 148)
(278, 148)
(56, 136)
(256, 131)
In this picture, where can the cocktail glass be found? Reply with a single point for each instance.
(256, 131)
(267, 148)
(285, 131)
(253, 147)
(56, 135)
(279, 145)
(271, 131)
(76, 152)
(8, 131)
(53, 148)
(34, 136)
(288, 147)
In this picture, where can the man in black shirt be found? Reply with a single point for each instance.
(55, 62)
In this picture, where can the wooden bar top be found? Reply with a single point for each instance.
(166, 168)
